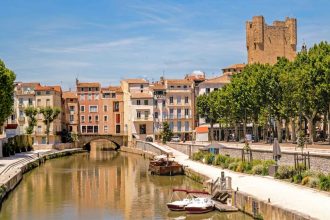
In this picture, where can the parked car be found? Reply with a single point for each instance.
(175, 139)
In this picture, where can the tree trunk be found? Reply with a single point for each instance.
(287, 133)
(310, 125)
(279, 130)
(47, 131)
(293, 127)
(265, 128)
(256, 131)
(236, 132)
(211, 131)
(244, 129)
(220, 133)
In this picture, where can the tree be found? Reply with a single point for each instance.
(7, 78)
(31, 113)
(208, 108)
(50, 114)
(166, 134)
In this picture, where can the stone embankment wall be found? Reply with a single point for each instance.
(141, 152)
(319, 162)
(10, 179)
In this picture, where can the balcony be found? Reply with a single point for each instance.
(143, 118)
(71, 112)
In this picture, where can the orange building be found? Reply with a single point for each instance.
(70, 111)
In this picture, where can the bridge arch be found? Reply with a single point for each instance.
(84, 140)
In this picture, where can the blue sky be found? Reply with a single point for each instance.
(53, 42)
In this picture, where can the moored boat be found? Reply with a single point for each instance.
(178, 205)
(199, 206)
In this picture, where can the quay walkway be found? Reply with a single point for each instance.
(311, 202)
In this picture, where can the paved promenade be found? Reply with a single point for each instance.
(304, 200)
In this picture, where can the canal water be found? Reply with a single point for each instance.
(98, 185)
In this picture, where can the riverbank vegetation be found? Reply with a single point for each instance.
(272, 97)
(17, 144)
(308, 178)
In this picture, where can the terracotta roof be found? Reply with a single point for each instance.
(11, 126)
(69, 95)
(224, 79)
(30, 84)
(88, 84)
(157, 86)
(48, 88)
(112, 88)
(178, 81)
(141, 95)
(202, 129)
(136, 80)
(236, 66)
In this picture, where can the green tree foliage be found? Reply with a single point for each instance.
(7, 78)
(50, 114)
(166, 134)
(31, 113)
(261, 94)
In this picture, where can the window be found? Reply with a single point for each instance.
(96, 118)
(146, 102)
(82, 97)
(186, 125)
(171, 87)
(156, 114)
(155, 102)
(179, 125)
(186, 100)
(83, 129)
(179, 100)
(171, 113)
(179, 113)
(89, 118)
(47, 102)
(143, 129)
(171, 100)
(146, 114)
(38, 102)
(96, 129)
(207, 90)
(105, 129)
(82, 89)
(113, 95)
(71, 108)
(138, 115)
(215, 89)
(82, 108)
(30, 101)
(89, 96)
(89, 129)
(71, 117)
(105, 108)
(185, 87)
(141, 86)
(96, 97)
(89, 89)
(38, 93)
(164, 103)
(117, 129)
(21, 113)
(138, 102)
(118, 118)
(47, 92)
(105, 118)
(93, 108)
(116, 106)
(70, 128)
(186, 112)
(179, 86)
(106, 95)
(171, 125)
(82, 118)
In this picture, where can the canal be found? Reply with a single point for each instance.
(98, 185)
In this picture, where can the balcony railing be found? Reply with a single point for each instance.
(143, 118)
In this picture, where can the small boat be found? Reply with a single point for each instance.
(162, 165)
(178, 205)
(199, 206)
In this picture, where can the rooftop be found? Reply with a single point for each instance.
(141, 95)
(69, 95)
(224, 79)
(236, 66)
(112, 88)
(135, 81)
(88, 84)
(48, 88)
(178, 81)
(157, 86)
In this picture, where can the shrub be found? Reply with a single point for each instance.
(208, 158)
(220, 159)
(313, 182)
(324, 183)
(232, 166)
(305, 180)
(297, 178)
(198, 155)
(256, 162)
(284, 172)
(244, 167)
(258, 169)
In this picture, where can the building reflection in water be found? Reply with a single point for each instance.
(99, 185)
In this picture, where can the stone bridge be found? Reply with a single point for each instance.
(85, 139)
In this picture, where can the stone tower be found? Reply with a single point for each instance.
(266, 43)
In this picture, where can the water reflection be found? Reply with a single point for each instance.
(100, 185)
